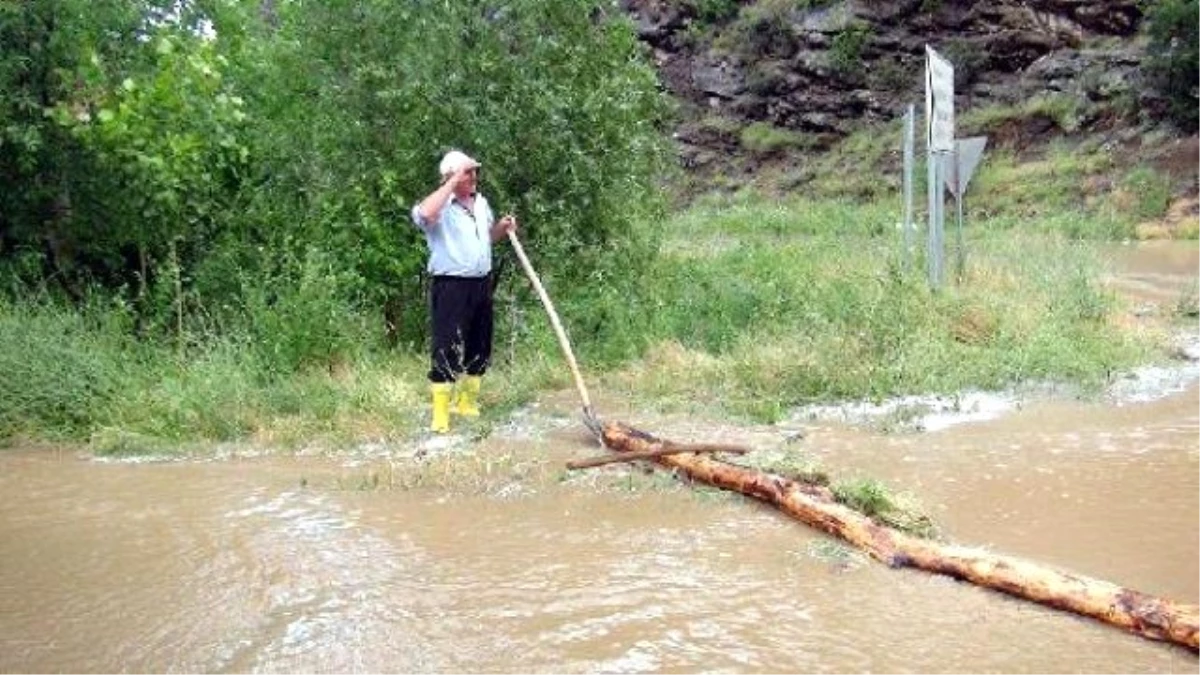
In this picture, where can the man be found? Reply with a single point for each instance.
(460, 228)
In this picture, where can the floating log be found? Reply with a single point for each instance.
(1146, 615)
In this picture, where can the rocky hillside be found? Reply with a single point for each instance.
(758, 80)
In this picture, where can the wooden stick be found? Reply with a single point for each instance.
(666, 449)
(557, 325)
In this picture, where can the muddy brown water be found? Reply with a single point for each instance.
(339, 564)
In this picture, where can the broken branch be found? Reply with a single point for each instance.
(667, 448)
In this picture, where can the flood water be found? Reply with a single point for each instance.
(342, 564)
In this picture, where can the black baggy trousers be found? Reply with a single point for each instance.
(461, 311)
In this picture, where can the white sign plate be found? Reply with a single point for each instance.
(939, 101)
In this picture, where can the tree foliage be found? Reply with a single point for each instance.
(213, 157)
(1173, 57)
(168, 140)
(552, 97)
(50, 180)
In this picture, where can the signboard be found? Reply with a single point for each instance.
(939, 101)
(968, 152)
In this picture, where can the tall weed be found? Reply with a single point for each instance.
(60, 368)
(301, 314)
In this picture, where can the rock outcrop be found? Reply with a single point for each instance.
(820, 69)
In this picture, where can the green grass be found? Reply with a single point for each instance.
(80, 376)
(766, 306)
(755, 306)
(1078, 186)
(874, 500)
(61, 370)
(763, 138)
(1061, 109)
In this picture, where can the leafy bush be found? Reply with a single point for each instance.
(42, 45)
(299, 317)
(556, 100)
(763, 30)
(167, 144)
(1171, 57)
(845, 53)
(175, 158)
(711, 11)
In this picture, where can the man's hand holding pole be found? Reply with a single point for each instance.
(504, 227)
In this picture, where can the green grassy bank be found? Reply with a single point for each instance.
(763, 306)
(754, 306)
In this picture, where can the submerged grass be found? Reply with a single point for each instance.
(874, 500)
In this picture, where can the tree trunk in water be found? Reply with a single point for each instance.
(1146, 615)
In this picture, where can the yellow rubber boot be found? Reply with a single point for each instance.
(442, 391)
(468, 396)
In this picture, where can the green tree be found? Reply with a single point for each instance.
(259, 157)
(170, 139)
(555, 97)
(49, 179)
(118, 138)
(1173, 57)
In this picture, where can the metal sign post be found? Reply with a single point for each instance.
(960, 254)
(910, 122)
(967, 153)
(936, 219)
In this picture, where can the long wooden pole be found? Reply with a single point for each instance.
(588, 415)
(1146, 615)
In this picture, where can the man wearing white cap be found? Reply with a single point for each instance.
(460, 228)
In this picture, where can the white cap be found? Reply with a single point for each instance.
(455, 160)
